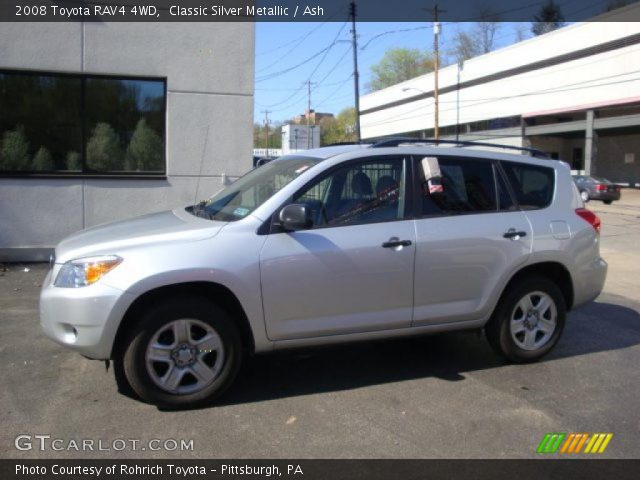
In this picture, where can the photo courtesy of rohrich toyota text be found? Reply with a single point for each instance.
(324, 239)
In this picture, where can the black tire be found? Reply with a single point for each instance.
(131, 358)
(607, 202)
(498, 328)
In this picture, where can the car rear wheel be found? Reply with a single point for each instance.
(528, 321)
(182, 354)
(584, 195)
(607, 202)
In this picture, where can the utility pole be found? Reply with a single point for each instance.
(266, 130)
(309, 83)
(436, 62)
(356, 75)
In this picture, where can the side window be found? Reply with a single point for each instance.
(363, 192)
(533, 185)
(468, 186)
(505, 202)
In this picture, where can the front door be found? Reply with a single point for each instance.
(353, 270)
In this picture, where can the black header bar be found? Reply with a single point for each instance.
(296, 10)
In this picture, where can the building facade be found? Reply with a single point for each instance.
(104, 121)
(574, 93)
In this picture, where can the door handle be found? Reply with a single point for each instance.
(396, 243)
(513, 234)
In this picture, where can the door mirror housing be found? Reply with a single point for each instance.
(295, 217)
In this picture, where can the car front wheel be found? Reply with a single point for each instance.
(528, 321)
(182, 354)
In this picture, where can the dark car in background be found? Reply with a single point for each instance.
(596, 188)
(259, 161)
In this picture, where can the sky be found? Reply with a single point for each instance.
(282, 51)
(281, 46)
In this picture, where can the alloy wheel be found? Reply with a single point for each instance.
(533, 320)
(184, 356)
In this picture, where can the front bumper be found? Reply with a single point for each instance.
(83, 319)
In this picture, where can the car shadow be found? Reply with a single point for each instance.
(595, 327)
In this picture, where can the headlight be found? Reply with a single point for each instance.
(85, 271)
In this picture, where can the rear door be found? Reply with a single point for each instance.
(468, 237)
(353, 271)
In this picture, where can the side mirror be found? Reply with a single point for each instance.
(295, 217)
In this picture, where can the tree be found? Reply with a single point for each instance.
(144, 152)
(43, 161)
(103, 149)
(398, 65)
(464, 47)
(549, 18)
(341, 128)
(520, 31)
(15, 150)
(72, 162)
(260, 136)
(486, 28)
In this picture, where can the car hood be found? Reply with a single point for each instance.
(111, 238)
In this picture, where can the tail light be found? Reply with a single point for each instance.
(601, 188)
(589, 217)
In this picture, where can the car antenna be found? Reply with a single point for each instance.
(204, 151)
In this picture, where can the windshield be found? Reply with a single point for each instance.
(253, 189)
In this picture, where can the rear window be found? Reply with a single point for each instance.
(468, 186)
(533, 185)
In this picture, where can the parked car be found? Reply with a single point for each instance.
(338, 244)
(597, 188)
(258, 161)
(263, 161)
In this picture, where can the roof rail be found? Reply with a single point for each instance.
(394, 142)
(338, 144)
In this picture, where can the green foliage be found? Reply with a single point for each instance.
(549, 18)
(14, 154)
(43, 161)
(342, 128)
(103, 149)
(398, 65)
(144, 152)
(72, 162)
(260, 137)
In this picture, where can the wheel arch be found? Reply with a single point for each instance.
(554, 271)
(219, 294)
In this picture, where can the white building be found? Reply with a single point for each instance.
(299, 137)
(574, 93)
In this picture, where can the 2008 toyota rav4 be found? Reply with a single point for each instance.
(332, 245)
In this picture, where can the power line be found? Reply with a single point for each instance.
(342, 84)
(324, 51)
(302, 38)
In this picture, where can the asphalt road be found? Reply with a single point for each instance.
(445, 396)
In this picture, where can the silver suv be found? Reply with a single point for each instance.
(338, 244)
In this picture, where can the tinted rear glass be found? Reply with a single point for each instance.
(533, 185)
(468, 186)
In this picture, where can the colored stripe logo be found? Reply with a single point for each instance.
(574, 443)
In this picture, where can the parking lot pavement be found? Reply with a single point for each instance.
(441, 396)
